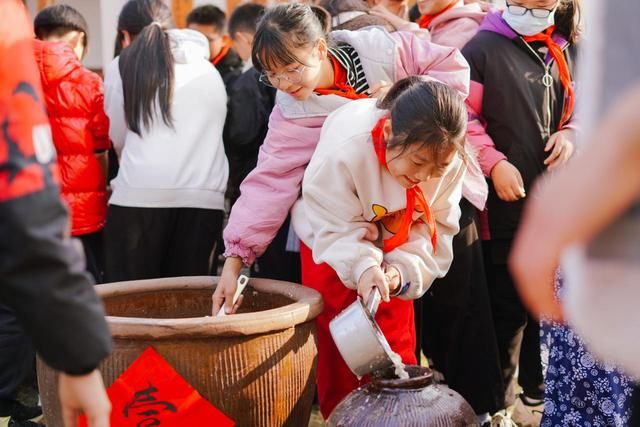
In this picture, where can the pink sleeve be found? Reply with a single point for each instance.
(421, 57)
(271, 189)
(455, 33)
(488, 155)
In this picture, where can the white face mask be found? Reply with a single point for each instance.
(527, 24)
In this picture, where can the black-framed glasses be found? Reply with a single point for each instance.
(274, 80)
(537, 12)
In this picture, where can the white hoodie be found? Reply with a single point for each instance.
(184, 166)
(346, 192)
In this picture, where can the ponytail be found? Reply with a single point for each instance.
(398, 89)
(568, 17)
(147, 65)
(324, 17)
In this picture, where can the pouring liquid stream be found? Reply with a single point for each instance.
(372, 306)
(399, 366)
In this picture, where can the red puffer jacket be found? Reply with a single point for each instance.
(75, 104)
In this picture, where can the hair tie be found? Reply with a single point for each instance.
(157, 23)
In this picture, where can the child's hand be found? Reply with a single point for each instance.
(226, 288)
(84, 393)
(561, 146)
(507, 181)
(373, 277)
(392, 275)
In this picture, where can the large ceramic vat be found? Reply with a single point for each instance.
(258, 366)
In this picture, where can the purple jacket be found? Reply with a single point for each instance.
(271, 189)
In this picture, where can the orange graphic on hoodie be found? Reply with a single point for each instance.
(391, 221)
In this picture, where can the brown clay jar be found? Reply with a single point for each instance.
(257, 367)
(414, 402)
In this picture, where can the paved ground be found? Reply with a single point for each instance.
(316, 419)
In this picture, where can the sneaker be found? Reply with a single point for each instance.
(19, 412)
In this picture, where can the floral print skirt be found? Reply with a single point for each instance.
(579, 390)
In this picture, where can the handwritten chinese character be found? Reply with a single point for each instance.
(144, 404)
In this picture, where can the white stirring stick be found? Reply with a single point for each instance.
(240, 285)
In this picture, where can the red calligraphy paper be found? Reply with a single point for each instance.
(151, 393)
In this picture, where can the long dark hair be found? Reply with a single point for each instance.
(282, 29)
(428, 113)
(567, 19)
(146, 66)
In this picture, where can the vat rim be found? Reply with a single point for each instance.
(307, 306)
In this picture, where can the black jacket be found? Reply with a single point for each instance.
(250, 104)
(42, 275)
(519, 111)
(230, 67)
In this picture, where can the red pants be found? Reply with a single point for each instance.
(335, 380)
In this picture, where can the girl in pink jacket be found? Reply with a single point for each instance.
(314, 76)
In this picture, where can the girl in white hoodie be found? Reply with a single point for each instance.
(380, 208)
(166, 105)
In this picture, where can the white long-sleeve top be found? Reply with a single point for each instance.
(346, 192)
(183, 166)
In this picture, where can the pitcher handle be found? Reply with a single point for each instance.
(374, 301)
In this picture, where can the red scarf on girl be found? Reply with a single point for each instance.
(426, 20)
(414, 197)
(341, 85)
(565, 76)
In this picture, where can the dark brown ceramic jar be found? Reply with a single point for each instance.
(415, 402)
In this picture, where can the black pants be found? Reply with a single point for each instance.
(457, 328)
(146, 243)
(276, 263)
(530, 372)
(93, 245)
(17, 355)
(510, 319)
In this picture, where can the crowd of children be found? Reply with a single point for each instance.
(352, 146)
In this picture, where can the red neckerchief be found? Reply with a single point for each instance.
(414, 196)
(341, 86)
(220, 56)
(565, 76)
(426, 20)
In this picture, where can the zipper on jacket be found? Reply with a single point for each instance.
(547, 81)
